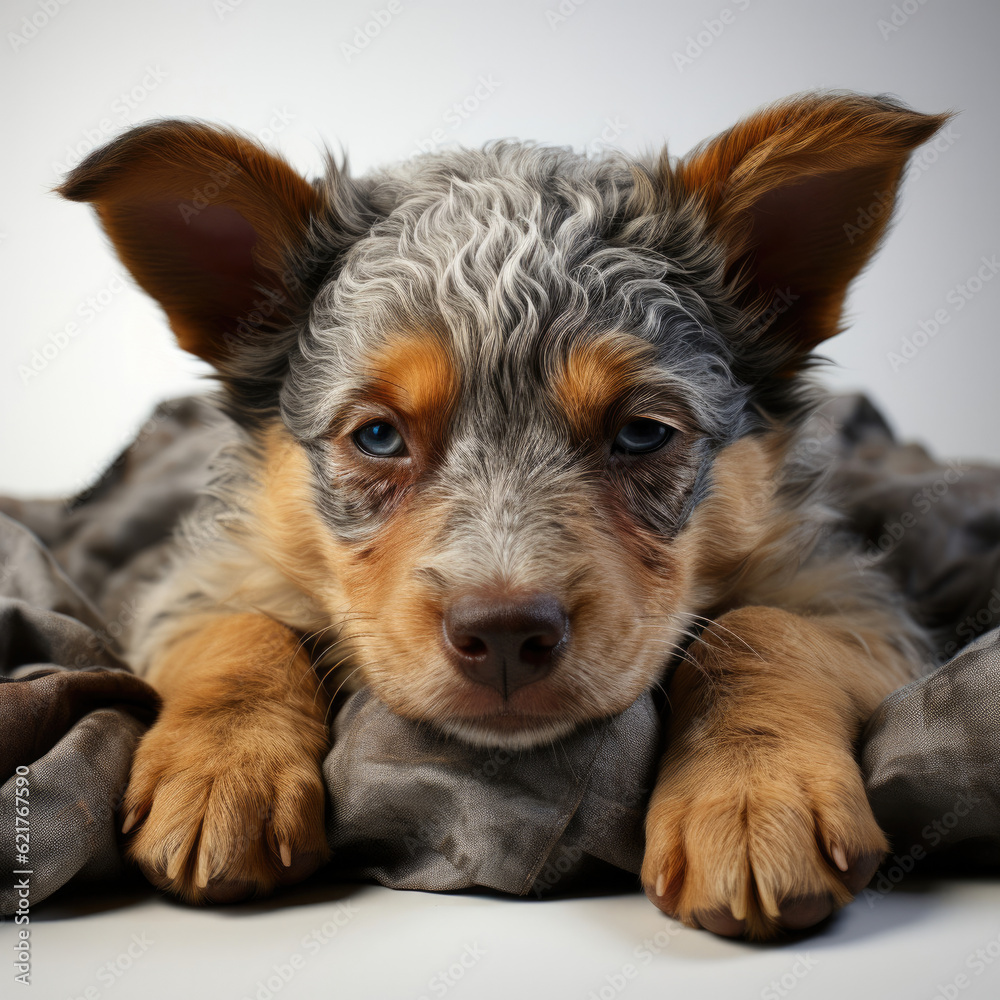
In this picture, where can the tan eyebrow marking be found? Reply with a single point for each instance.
(598, 373)
(415, 376)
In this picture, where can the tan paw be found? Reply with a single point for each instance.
(757, 846)
(224, 805)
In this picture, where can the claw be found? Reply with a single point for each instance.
(202, 871)
(839, 857)
(130, 821)
(738, 907)
(286, 854)
(176, 866)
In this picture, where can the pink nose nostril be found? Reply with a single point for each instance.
(506, 644)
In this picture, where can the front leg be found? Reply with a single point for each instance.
(226, 796)
(759, 820)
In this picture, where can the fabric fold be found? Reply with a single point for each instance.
(413, 809)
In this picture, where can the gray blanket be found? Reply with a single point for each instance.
(414, 810)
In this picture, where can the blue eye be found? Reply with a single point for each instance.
(643, 435)
(379, 439)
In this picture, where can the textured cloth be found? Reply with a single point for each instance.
(932, 758)
(414, 812)
(413, 809)
(69, 708)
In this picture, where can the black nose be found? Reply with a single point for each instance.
(508, 643)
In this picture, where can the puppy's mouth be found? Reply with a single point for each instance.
(511, 673)
(508, 729)
(535, 715)
(485, 715)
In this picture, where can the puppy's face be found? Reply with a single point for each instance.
(537, 403)
(504, 534)
(510, 421)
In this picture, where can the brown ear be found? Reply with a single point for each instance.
(799, 194)
(204, 218)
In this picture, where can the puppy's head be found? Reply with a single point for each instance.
(526, 410)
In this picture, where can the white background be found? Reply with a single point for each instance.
(376, 944)
(278, 69)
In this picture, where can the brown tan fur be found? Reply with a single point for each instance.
(594, 378)
(811, 159)
(226, 789)
(393, 623)
(758, 821)
(726, 556)
(415, 378)
(214, 174)
(759, 802)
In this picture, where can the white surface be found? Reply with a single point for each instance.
(607, 71)
(278, 69)
(377, 944)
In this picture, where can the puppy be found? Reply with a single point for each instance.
(520, 429)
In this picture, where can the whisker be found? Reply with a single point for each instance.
(323, 679)
(333, 698)
(311, 637)
(319, 657)
(716, 624)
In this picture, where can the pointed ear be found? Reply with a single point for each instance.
(204, 218)
(799, 196)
